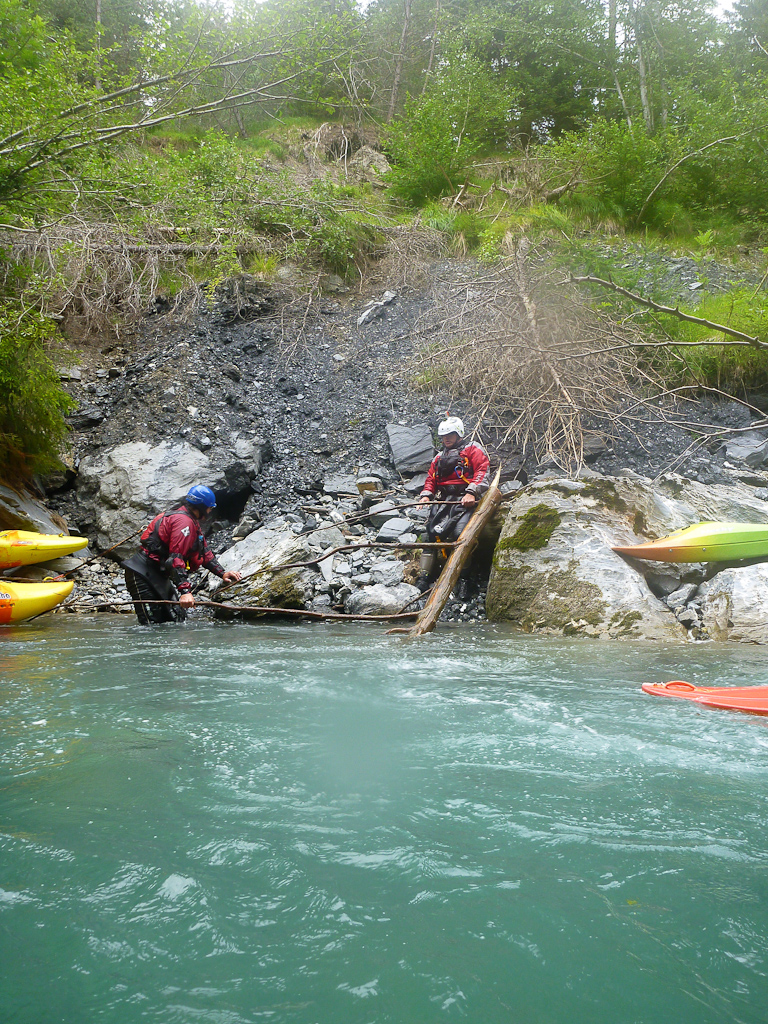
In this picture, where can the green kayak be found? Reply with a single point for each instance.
(705, 542)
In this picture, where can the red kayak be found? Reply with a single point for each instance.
(753, 699)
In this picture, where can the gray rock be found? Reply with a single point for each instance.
(380, 600)
(381, 513)
(750, 447)
(511, 486)
(375, 309)
(246, 526)
(733, 604)
(266, 549)
(394, 528)
(389, 572)
(687, 617)
(322, 540)
(339, 483)
(130, 483)
(680, 597)
(87, 416)
(662, 578)
(553, 565)
(412, 447)
(416, 484)
(19, 510)
(554, 570)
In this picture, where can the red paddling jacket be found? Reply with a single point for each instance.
(174, 541)
(458, 471)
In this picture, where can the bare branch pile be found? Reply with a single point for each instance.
(541, 368)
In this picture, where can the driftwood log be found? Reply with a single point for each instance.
(464, 547)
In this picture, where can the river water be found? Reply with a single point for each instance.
(325, 825)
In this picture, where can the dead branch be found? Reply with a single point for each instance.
(253, 608)
(552, 373)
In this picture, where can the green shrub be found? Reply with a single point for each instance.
(32, 401)
(429, 158)
(735, 369)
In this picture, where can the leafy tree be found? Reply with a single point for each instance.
(439, 133)
(32, 402)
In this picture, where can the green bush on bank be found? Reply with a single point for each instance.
(32, 401)
(700, 360)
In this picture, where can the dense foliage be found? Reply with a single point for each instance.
(32, 404)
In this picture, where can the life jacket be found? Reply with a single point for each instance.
(158, 549)
(453, 469)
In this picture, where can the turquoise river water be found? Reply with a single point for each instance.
(326, 825)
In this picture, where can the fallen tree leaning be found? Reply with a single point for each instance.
(428, 616)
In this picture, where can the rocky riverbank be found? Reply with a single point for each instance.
(308, 424)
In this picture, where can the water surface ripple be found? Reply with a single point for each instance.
(326, 825)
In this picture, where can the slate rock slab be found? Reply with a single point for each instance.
(412, 447)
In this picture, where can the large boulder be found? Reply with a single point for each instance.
(412, 447)
(262, 552)
(20, 510)
(127, 485)
(733, 605)
(554, 571)
(553, 567)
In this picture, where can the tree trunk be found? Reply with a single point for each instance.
(465, 545)
(431, 64)
(642, 69)
(400, 61)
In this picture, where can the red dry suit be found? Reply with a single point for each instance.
(175, 541)
(461, 471)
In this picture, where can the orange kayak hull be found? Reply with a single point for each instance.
(705, 542)
(751, 699)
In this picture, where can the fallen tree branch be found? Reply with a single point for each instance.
(745, 339)
(254, 608)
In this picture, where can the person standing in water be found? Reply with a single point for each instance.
(171, 546)
(458, 473)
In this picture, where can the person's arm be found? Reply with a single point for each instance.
(429, 484)
(479, 464)
(212, 564)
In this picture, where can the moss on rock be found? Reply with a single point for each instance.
(536, 527)
(605, 492)
(279, 590)
(544, 600)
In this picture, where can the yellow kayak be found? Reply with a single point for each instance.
(19, 601)
(20, 547)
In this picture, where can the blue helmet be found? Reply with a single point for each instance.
(199, 495)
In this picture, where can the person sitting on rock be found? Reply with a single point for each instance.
(459, 473)
(171, 546)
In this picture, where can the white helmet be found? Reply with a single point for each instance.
(453, 425)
